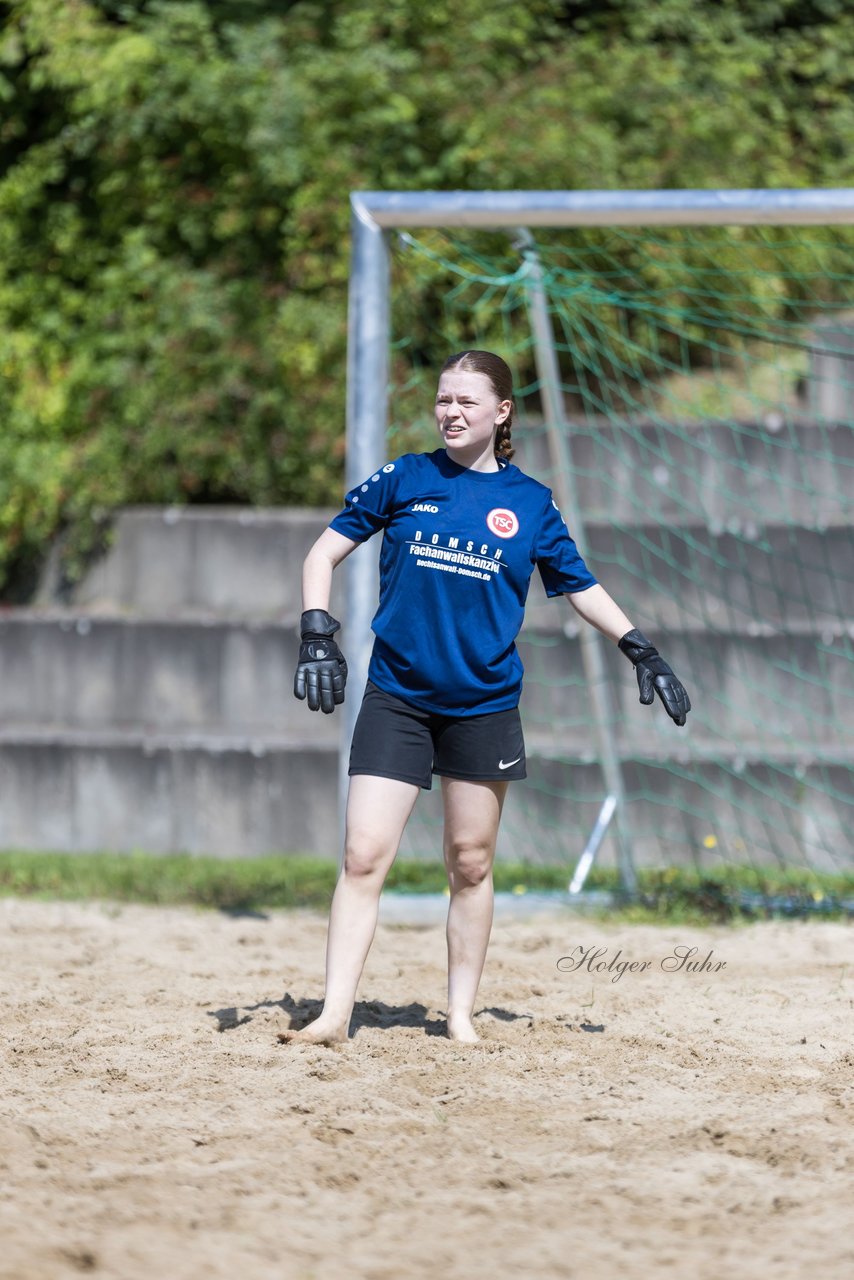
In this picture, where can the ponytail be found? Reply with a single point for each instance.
(503, 447)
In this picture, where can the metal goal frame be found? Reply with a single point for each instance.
(374, 215)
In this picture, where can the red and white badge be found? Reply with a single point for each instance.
(502, 522)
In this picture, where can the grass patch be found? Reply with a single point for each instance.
(731, 894)
(673, 894)
(225, 883)
(170, 880)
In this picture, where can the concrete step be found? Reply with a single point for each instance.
(782, 471)
(223, 565)
(670, 500)
(707, 812)
(233, 562)
(793, 689)
(707, 819)
(82, 672)
(233, 798)
(72, 669)
(66, 793)
(542, 744)
(746, 577)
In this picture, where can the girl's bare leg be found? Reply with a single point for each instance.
(472, 815)
(377, 812)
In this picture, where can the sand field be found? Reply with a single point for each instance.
(655, 1121)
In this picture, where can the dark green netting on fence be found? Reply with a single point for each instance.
(707, 383)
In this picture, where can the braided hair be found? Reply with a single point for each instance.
(501, 380)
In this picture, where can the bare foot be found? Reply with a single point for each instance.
(460, 1028)
(314, 1033)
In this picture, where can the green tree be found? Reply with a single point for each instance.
(174, 218)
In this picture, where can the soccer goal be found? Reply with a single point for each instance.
(685, 369)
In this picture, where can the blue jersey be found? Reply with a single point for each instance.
(459, 547)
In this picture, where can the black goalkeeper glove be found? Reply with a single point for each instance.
(321, 672)
(655, 676)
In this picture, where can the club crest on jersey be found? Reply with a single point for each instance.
(503, 522)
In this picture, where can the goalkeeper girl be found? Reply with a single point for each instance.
(463, 530)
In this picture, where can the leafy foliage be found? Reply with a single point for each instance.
(174, 217)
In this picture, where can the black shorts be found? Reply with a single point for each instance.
(395, 740)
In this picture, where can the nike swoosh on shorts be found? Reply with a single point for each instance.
(509, 763)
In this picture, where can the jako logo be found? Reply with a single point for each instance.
(424, 506)
(503, 523)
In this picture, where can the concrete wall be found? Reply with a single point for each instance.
(76, 792)
(152, 708)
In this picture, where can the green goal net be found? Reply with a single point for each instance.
(707, 389)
